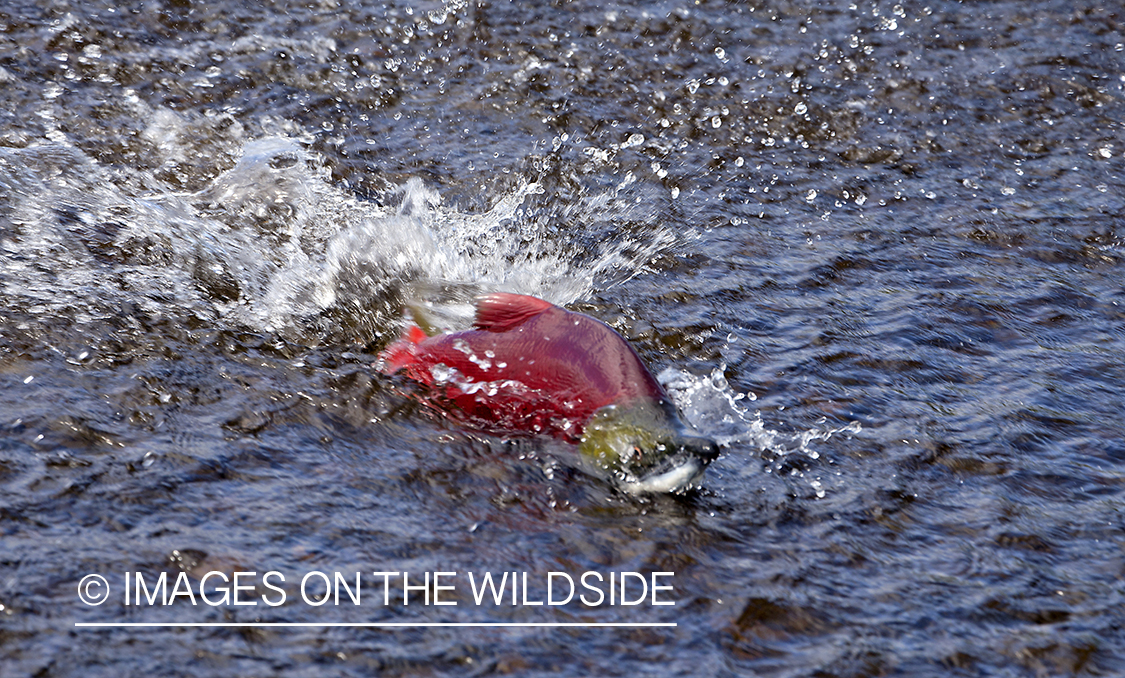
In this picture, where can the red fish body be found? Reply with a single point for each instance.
(531, 366)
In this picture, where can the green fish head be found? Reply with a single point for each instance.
(643, 448)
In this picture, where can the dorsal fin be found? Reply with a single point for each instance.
(502, 311)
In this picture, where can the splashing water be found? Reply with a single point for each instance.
(272, 245)
(711, 406)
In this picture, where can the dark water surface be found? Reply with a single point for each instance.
(876, 250)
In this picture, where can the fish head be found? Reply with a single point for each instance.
(644, 448)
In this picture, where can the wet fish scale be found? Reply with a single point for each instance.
(567, 366)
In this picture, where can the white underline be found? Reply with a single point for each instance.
(381, 624)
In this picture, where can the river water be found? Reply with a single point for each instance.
(873, 249)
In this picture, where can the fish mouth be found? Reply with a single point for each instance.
(675, 473)
(675, 478)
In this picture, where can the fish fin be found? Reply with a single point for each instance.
(402, 352)
(415, 334)
(423, 318)
(502, 311)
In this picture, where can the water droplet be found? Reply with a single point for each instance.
(720, 53)
(633, 140)
(801, 108)
(675, 192)
(716, 122)
(810, 196)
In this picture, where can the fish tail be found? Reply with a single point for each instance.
(403, 352)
